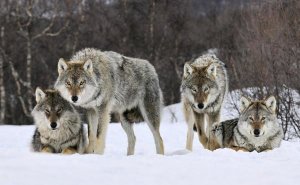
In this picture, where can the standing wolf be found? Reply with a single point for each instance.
(256, 129)
(204, 86)
(106, 82)
(59, 129)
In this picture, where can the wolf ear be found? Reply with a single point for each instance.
(39, 94)
(244, 103)
(271, 103)
(62, 66)
(187, 69)
(88, 66)
(212, 69)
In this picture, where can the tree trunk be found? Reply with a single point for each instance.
(151, 29)
(28, 74)
(2, 87)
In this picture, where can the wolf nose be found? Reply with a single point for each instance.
(53, 125)
(256, 132)
(74, 98)
(200, 105)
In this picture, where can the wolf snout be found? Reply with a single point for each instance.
(256, 132)
(53, 125)
(200, 105)
(74, 99)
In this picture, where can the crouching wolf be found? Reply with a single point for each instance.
(108, 82)
(59, 129)
(256, 129)
(204, 86)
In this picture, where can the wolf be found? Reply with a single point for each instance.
(59, 129)
(106, 82)
(203, 88)
(257, 128)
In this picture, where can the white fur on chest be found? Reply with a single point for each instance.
(94, 103)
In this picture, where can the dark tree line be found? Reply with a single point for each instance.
(258, 41)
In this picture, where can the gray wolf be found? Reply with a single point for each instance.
(257, 128)
(108, 82)
(204, 86)
(59, 129)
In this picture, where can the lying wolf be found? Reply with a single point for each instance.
(256, 129)
(59, 129)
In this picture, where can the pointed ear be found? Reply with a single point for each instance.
(244, 103)
(187, 69)
(39, 94)
(88, 66)
(212, 69)
(271, 103)
(62, 66)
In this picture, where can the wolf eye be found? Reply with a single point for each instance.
(68, 84)
(206, 89)
(263, 118)
(59, 110)
(251, 118)
(81, 83)
(47, 112)
(194, 90)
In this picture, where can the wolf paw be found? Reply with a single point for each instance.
(69, 151)
(47, 150)
(90, 149)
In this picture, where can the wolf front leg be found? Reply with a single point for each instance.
(200, 125)
(103, 121)
(189, 117)
(213, 119)
(92, 116)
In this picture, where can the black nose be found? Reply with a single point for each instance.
(200, 105)
(53, 125)
(256, 132)
(74, 98)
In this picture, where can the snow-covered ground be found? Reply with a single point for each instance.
(19, 166)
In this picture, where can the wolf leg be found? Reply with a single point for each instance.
(200, 125)
(69, 151)
(213, 119)
(92, 117)
(128, 128)
(103, 121)
(189, 117)
(151, 114)
(82, 141)
(190, 138)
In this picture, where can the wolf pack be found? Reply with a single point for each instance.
(106, 82)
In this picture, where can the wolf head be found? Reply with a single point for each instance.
(258, 118)
(199, 85)
(51, 109)
(75, 81)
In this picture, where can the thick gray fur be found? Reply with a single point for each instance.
(115, 84)
(70, 131)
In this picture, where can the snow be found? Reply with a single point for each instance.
(20, 166)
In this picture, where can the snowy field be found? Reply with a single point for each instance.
(19, 166)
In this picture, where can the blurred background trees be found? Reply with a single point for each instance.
(258, 40)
